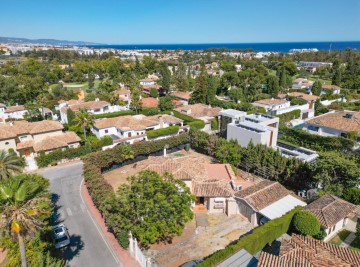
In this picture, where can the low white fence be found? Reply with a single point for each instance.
(137, 254)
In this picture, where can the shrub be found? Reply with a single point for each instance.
(163, 131)
(123, 239)
(214, 125)
(306, 223)
(183, 117)
(321, 235)
(197, 125)
(352, 195)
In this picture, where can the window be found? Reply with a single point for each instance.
(6, 143)
(106, 131)
(97, 110)
(23, 137)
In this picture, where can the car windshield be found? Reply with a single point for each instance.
(61, 239)
(58, 230)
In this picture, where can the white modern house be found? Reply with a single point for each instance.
(302, 83)
(93, 107)
(336, 123)
(147, 82)
(272, 104)
(258, 128)
(132, 128)
(12, 112)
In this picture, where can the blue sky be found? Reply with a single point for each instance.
(182, 21)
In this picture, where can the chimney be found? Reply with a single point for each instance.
(161, 121)
(96, 99)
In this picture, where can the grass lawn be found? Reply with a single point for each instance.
(314, 78)
(340, 237)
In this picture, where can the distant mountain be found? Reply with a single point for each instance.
(14, 40)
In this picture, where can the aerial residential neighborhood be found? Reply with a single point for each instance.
(180, 134)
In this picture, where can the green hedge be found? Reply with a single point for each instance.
(183, 117)
(255, 241)
(163, 131)
(286, 117)
(97, 162)
(312, 141)
(114, 114)
(197, 125)
(44, 160)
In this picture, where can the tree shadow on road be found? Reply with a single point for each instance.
(73, 250)
(55, 217)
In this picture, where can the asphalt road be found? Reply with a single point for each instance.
(88, 247)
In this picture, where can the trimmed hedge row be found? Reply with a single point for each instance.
(163, 131)
(52, 158)
(316, 142)
(196, 125)
(295, 114)
(115, 114)
(97, 162)
(255, 241)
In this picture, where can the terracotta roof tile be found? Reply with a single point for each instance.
(306, 97)
(330, 209)
(212, 188)
(269, 102)
(330, 87)
(338, 120)
(15, 109)
(307, 251)
(149, 102)
(199, 111)
(182, 95)
(54, 142)
(263, 194)
(85, 105)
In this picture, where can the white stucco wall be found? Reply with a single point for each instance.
(7, 144)
(334, 230)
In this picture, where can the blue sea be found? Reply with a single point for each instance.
(263, 47)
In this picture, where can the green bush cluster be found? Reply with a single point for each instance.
(214, 125)
(319, 143)
(98, 162)
(163, 131)
(286, 117)
(93, 144)
(197, 125)
(255, 241)
(306, 223)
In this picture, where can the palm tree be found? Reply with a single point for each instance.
(23, 205)
(84, 120)
(10, 164)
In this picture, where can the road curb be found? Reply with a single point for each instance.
(122, 254)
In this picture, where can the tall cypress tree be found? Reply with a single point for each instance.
(166, 77)
(211, 90)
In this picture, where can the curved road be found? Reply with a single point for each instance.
(88, 246)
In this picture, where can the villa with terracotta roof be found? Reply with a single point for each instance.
(267, 199)
(305, 251)
(184, 97)
(201, 112)
(93, 107)
(338, 123)
(12, 112)
(132, 128)
(29, 138)
(334, 89)
(334, 214)
(212, 184)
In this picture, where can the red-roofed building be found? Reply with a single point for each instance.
(150, 102)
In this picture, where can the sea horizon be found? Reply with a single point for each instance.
(260, 47)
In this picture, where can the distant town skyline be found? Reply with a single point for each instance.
(183, 22)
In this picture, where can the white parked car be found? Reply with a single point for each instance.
(61, 236)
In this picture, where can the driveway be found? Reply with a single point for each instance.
(88, 247)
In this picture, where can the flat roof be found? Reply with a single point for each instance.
(233, 113)
(259, 117)
(242, 258)
(252, 126)
(282, 206)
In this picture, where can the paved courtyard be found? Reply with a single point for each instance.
(199, 242)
